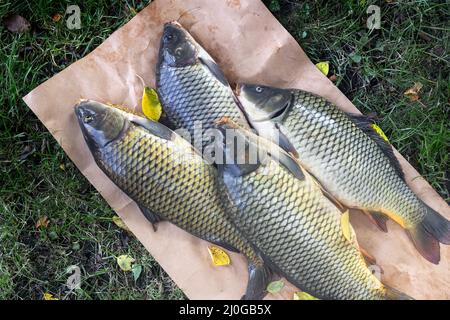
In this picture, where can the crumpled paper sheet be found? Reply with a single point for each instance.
(250, 45)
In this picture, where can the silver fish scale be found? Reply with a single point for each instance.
(157, 174)
(345, 160)
(299, 231)
(192, 94)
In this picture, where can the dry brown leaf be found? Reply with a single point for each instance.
(413, 92)
(333, 78)
(56, 17)
(42, 222)
(17, 24)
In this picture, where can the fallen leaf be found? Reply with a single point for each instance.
(42, 222)
(413, 92)
(119, 222)
(49, 296)
(62, 166)
(125, 261)
(324, 67)
(333, 78)
(56, 17)
(136, 270)
(151, 107)
(275, 286)
(356, 57)
(379, 131)
(345, 224)
(16, 23)
(218, 256)
(303, 296)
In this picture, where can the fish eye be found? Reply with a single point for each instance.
(88, 118)
(259, 89)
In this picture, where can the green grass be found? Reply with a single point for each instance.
(81, 232)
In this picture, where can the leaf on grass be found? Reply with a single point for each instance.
(218, 256)
(49, 296)
(17, 24)
(380, 132)
(151, 107)
(62, 166)
(125, 261)
(324, 67)
(136, 270)
(56, 17)
(42, 222)
(355, 57)
(413, 92)
(119, 222)
(275, 286)
(303, 296)
(333, 78)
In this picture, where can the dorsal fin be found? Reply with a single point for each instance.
(213, 67)
(364, 123)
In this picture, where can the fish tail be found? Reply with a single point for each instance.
(394, 294)
(427, 234)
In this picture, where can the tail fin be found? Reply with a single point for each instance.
(426, 236)
(394, 294)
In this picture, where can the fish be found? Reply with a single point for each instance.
(281, 209)
(167, 178)
(353, 163)
(192, 88)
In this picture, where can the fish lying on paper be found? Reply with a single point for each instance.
(282, 211)
(166, 177)
(353, 163)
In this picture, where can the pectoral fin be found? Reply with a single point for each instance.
(259, 277)
(151, 216)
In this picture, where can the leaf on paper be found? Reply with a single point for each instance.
(413, 92)
(324, 67)
(151, 107)
(218, 256)
(42, 222)
(303, 296)
(49, 296)
(119, 222)
(275, 286)
(125, 261)
(345, 224)
(379, 131)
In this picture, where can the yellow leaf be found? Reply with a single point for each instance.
(62, 166)
(119, 222)
(346, 228)
(379, 131)
(151, 107)
(49, 296)
(303, 296)
(324, 67)
(275, 286)
(125, 261)
(218, 256)
(42, 222)
(413, 92)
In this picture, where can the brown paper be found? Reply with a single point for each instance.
(250, 45)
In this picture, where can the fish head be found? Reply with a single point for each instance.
(262, 103)
(177, 47)
(99, 123)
